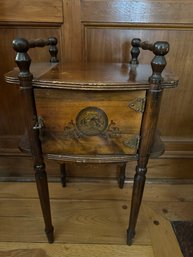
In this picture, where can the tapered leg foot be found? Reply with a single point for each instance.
(121, 178)
(130, 236)
(138, 187)
(42, 186)
(50, 235)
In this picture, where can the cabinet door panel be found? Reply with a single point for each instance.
(89, 125)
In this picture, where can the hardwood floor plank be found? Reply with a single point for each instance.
(74, 221)
(95, 191)
(173, 210)
(73, 250)
(164, 241)
(91, 220)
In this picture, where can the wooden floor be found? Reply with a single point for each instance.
(91, 219)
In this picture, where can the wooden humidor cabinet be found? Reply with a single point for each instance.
(94, 124)
(91, 112)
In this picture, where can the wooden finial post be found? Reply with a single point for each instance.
(160, 49)
(135, 51)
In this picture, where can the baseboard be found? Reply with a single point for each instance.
(178, 147)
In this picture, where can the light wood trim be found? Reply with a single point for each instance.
(164, 241)
(180, 210)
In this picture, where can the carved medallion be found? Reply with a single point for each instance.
(91, 121)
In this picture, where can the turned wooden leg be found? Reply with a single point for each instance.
(42, 186)
(34, 126)
(121, 178)
(138, 187)
(63, 174)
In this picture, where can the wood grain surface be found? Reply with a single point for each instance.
(91, 220)
(59, 110)
(101, 31)
(150, 11)
(25, 11)
(162, 235)
(72, 250)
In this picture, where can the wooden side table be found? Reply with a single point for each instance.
(91, 112)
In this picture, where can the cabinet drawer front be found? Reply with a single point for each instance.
(90, 123)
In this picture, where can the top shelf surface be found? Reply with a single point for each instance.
(91, 76)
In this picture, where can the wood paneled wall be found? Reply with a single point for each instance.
(101, 31)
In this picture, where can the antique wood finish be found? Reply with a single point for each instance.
(62, 130)
(149, 123)
(91, 113)
(99, 31)
(21, 46)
